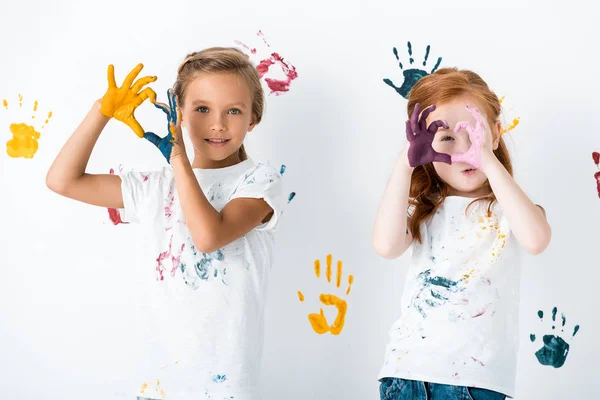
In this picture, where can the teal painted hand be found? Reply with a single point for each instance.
(165, 144)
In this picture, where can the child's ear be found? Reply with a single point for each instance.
(497, 134)
(252, 125)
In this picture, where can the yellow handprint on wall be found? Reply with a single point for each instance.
(319, 321)
(121, 102)
(24, 142)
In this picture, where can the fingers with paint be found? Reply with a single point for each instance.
(473, 155)
(165, 144)
(121, 102)
(319, 322)
(420, 138)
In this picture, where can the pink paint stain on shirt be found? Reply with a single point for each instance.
(176, 260)
(166, 255)
(160, 268)
(169, 206)
(113, 213)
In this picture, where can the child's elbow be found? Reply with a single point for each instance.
(541, 243)
(385, 250)
(206, 244)
(54, 183)
(207, 248)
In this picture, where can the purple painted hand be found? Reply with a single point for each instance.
(420, 138)
(473, 155)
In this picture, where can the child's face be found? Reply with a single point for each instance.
(217, 114)
(446, 141)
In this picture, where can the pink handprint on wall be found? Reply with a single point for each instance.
(277, 86)
(596, 157)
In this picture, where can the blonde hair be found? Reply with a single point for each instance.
(222, 59)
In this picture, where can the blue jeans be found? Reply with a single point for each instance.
(403, 389)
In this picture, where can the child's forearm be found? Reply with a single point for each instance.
(201, 218)
(527, 221)
(72, 160)
(389, 233)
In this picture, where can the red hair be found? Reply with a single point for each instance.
(427, 190)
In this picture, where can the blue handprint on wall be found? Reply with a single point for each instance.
(555, 350)
(412, 75)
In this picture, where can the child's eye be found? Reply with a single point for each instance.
(202, 109)
(446, 138)
(234, 111)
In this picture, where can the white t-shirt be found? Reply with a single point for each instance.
(201, 315)
(459, 322)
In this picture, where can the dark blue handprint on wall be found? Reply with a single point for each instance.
(411, 75)
(555, 350)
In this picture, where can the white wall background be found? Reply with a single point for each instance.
(65, 302)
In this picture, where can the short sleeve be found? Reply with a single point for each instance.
(263, 182)
(138, 188)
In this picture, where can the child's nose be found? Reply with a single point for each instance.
(463, 142)
(217, 123)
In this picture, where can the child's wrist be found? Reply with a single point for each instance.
(96, 110)
(488, 160)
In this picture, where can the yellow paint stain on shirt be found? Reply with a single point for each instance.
(468, 275)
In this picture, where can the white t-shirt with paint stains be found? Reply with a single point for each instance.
(201, 315)
(459, 319)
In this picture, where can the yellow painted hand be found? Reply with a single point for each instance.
(319, 321)
(121, 102)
